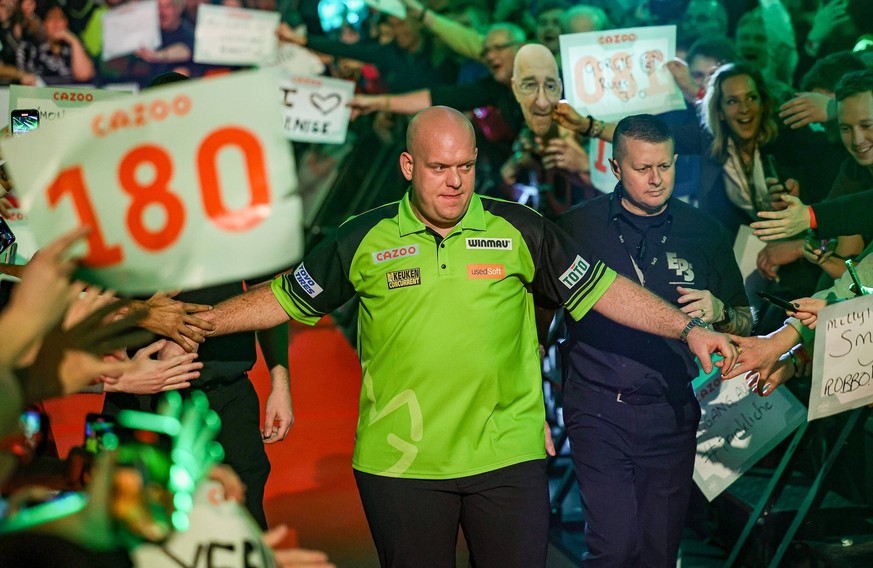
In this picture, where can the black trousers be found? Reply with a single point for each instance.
(634, 464)
(237, 404)
(504, 515)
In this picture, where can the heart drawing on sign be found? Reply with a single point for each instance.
(325, 104)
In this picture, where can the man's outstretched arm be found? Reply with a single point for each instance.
(253, 310)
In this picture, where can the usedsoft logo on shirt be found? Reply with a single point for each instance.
(391, 254)
(493, 271)
(309, 285)
(574, 274)
(403, 278)
(492, 244)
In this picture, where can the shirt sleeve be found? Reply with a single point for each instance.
(319, 285)
(567, 274)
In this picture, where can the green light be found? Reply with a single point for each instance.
(109, 441)
(180, 521)
(183, 502)
(137, 420)
(62, 506)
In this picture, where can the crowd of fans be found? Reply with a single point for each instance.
(779, 116)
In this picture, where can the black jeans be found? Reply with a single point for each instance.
(504, 515)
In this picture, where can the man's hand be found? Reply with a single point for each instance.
(808, 309)
(550, 443)
(777, 190)
(278, 415)
(167, 317)
(294, 557)
(234, 488)
(565, 155)
(703, 342)
(777, 254)
(71, 359)
(761, 354)
(566, 116)
(783, 224)
(288, 34)
(156, 375)
(681, 74)
(700, 303)
(366, 104)
(804, 109)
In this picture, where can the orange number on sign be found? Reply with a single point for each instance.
(584, 67)
(600, 163)
(72, 181)
(259, 204)
(155, 192)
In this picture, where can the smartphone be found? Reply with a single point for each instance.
(858, 288)
(24, 120)
(100, 433)
(7, 237)
(771, 167)
(778, 302)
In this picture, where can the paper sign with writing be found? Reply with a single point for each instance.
(295, 59)
(611, 74)
(842, 365)
(180, 189)
(314, 109)
(602, 177)
(130, 27)
(54, 103)
(737, 428)
(234, 36)
(390, 7)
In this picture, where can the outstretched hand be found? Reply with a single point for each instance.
(783, 224)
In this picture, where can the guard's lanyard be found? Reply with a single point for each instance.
(639, 257)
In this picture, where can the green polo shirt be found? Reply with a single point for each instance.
(446, 331)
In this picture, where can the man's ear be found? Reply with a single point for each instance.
(406, 165)
(616, 171)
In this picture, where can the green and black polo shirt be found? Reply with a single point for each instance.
(446, 331)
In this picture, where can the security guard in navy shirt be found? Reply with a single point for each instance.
(628, 405)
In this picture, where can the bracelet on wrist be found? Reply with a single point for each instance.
(694, 322)
(590, 125)
(596, 128)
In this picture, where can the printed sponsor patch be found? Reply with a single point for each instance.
(391, 254)
(493, 271)
(574, 274)
(494, 244)
(403, 278)
(306, 282)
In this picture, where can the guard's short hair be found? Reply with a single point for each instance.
(642, 127)
(854, 83)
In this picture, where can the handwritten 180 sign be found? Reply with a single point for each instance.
(315, 109)
(611, 74)
(842, 365)
(179, 188)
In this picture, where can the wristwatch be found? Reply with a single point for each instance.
(695, 322)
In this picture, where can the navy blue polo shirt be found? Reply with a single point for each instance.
(682, 246)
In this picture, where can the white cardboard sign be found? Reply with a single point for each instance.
(129, 27)
(315, 109)
(234, 36)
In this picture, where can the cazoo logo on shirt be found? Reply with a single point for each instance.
(306, 282)
(494, 244)
(391, 254)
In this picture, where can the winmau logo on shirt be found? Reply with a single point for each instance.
(575, 273)
(499, 244)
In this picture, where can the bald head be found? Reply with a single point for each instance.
(532, 58)
(434, 121)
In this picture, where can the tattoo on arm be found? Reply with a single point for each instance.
(740, 324)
